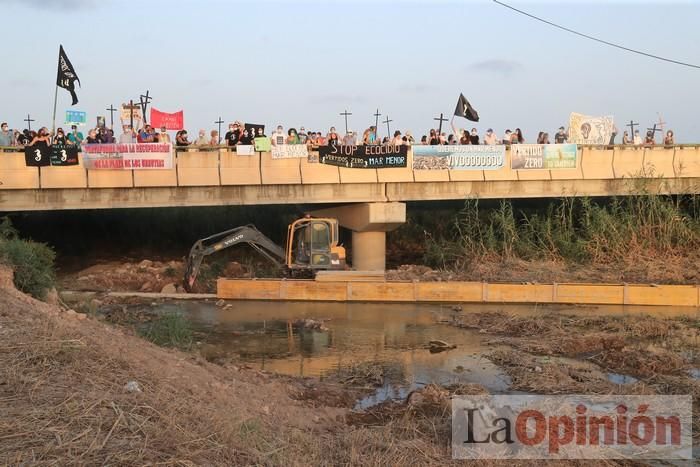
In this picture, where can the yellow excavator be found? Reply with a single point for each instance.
(312, 245)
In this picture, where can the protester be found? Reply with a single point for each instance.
(164, 137)
(214, 141)
(434, 140)
(320, 139)
(41, 136)
(649, 140)
(60, 137)
(398, 139)
(637, 138)
(127, 137)
(146, 135)
(104, 135)
(474, 136)
(181, 139)
(465, 139)
(93, 138)
(246, 138)
(75, 136)
(507, 137)
(451, 139)
(517, 137)
(490, 138)
(409, 138)
(349, 139)
(669, 139)
(6, 135)
(292, 136)
(303, 137)
(233, 133)
(278, 138)
(545, 138)
(561, 137)
(626, 138)
(442, 139)
(332, 138)
(424, 140)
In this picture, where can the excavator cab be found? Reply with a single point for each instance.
(312, 243)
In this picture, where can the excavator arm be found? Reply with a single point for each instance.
(246, 234)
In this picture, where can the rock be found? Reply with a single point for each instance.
(266, 410)
(80, 316)
(538, 369)
(169, 288)
(146, 263)
(220, 303)
(145, 287)
(52, 296)
(70, 313)
(437, 346)
(132, 386)
(95, 304)
(456, 308)
(180, 289)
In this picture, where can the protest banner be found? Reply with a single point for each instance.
(288, 151)
(75, 117)
(245, 150)
(64, 155)
(171, 121)
(584, 129)
(543, 156)
(137, 156)
(262, 144)
(461, 157)
(255, 129)
(125, 113)
(37, 155)
(364, 157)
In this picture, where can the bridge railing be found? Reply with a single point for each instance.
(219, 166)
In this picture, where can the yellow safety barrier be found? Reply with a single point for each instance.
(451, 292)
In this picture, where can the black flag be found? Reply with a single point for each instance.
(66, 75)
(465, 109)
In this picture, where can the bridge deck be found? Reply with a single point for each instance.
(221, 177)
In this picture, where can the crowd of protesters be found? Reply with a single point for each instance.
(239, 134)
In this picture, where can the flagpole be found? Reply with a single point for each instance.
(55, 98)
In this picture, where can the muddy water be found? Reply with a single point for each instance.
(268, 336)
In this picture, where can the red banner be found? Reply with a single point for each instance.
(173, 121)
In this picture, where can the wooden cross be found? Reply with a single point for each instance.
(219, 122)
(376, 122)
(131, 108)
(661, 122)
(144, 99)
(388, 130)
(632, 125)
(346, 113)
(441, 119)
(111, 111)
(29, 121)
(654, 130)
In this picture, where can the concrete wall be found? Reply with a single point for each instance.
(599, 172)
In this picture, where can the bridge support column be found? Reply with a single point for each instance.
(369, 223)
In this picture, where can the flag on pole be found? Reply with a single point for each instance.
(465, 109)
(66, 75)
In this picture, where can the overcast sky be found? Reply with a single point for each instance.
(302, 63)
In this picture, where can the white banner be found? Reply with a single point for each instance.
(137, 156)
(584, 129)
(286, 151)
(245, 150)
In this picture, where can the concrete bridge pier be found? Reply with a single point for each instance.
(369, 223)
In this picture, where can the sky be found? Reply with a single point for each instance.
(301, 63)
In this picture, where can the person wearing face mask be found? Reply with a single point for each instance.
(60, 137)
(490, 137)
(246, 138)
(278, 137)
(75, 136)
(233, 134)
(332, 138)
(6, 135)
(163, 137)
(42, 137)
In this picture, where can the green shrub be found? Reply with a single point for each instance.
(169, 330)
(32, 262)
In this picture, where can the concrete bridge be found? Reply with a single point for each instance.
(373, 197)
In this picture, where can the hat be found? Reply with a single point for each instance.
(561, 128)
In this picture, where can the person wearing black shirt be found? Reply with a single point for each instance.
(434, 140)
(93, 138)
(60, 137)
(474, 137)
(233, 134)
(245, 138)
